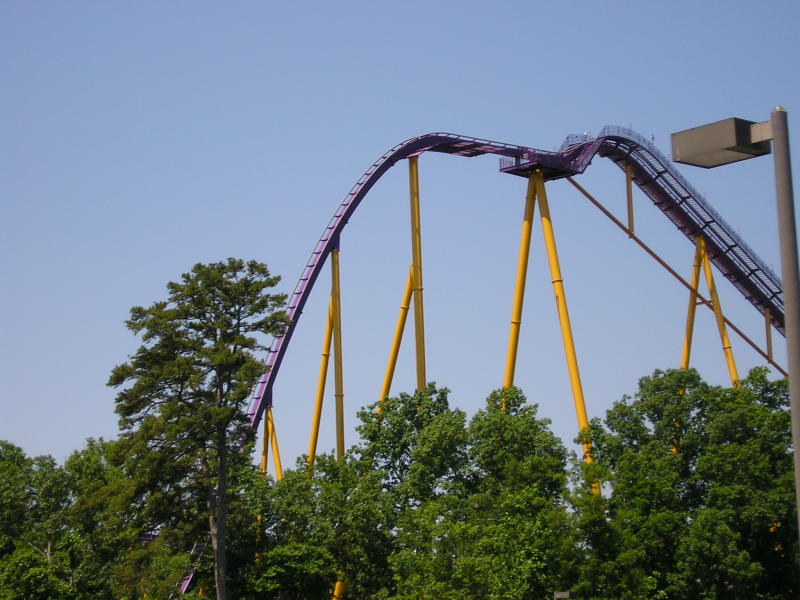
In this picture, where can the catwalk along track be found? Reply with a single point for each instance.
(644, 165)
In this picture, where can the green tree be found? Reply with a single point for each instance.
(742, 538)
(503, 532)
(27, 574)
(340, 520)
(66, 530)
(105, 540)
(181, 408)
(331, 523)
(416, 442)
(698, 494)
(15, 470)
(37, 544)
(426, 506)
(98, 537)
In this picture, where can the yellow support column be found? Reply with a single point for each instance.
(519, 286)
(398, 338)
(276, 456)
(264, 452)
(321, 379)
(337, 353)
(338, 590)
(265, 445)
(563, 314)
(416, 268)
(693, 302)
(715, 304)
(768, 326)
(629, 194)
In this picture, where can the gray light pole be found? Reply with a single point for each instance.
(790, 275)
(732, 140)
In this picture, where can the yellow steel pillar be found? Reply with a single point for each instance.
(693, 302)
(701, 261)
(338, 590)
(519, 287)
(321, 379)
(337, 352)
(629, 194)
(398, 338)
(768, 325)
(416, 268)
(715, 304)
(273, 437)
(269, 439)
(265, 446)
(563, 313)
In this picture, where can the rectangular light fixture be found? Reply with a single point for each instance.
(720, 143)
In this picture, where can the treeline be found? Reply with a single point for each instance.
(696, 501)
(689, 494)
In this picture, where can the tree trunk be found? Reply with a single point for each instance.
(218, 520)
(219, 569)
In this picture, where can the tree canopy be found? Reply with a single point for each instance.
(697, 500)
(181, 412)
(430, 505)
(698, 493)
(696, 482)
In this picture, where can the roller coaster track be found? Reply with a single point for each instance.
(652, 172)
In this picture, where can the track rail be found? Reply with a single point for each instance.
(694, 216)
(654, 174)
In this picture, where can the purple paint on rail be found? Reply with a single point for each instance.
(653, 173)
(437, 142)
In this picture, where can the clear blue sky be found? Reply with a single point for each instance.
(137, 139)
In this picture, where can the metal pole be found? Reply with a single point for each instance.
(717, 307)
(321, 379)
(671, 271)
(787, 233)
(265, 447)
(563, 316)
(519, 286)
(416, 252)
(768, 330)
(338, 385)
(398, 338)
(276, 456)
(629, 196)
(693, 301)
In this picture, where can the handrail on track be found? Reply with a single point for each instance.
(437, 142)
(694, 216)
(653, 173)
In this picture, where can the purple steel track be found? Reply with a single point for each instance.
(654, 174)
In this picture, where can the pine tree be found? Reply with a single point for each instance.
(181, 406)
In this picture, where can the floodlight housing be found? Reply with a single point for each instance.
(716, 144)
